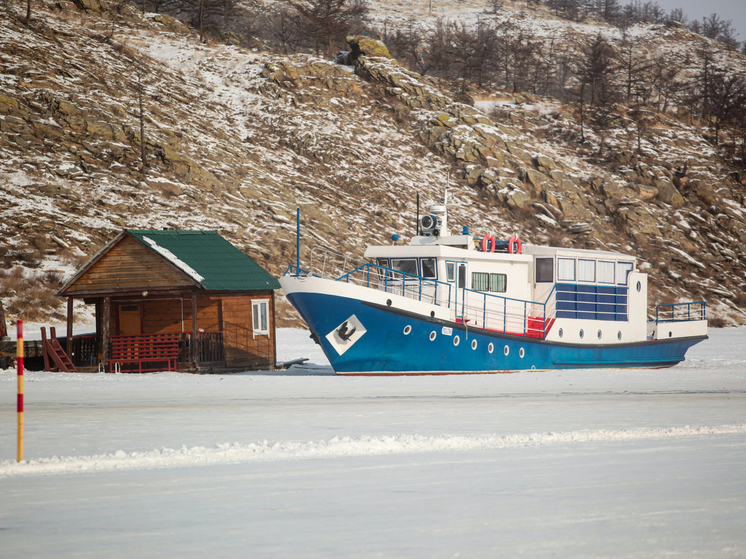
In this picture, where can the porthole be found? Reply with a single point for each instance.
(456, 340)
(599, 334)
(432, 335)
(474, 344)
(619, 335)
(670, 334)
(388, 302)
(581, 333)
(407, 329)
(521, 353)
(639, 286)
(506, 350)
(561, 332)
(491, 348)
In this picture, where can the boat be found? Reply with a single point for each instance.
(447, 304)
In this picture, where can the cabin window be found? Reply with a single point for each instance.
(623, 269)
(461, 276)
(480, 281)
(544, 270)
(383, 262)
(605, 272)
(260, 317)
(428, 268)
(498, 283)
(451, 271)
(586, 270)
(408, 266)
(565, 269)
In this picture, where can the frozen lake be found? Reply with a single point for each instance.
(579, 463)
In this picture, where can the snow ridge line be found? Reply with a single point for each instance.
(236, 453)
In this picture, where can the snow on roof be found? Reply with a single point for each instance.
(170, 256)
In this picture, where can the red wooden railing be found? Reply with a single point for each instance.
(152, 352)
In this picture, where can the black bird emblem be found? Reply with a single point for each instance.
(343, 333)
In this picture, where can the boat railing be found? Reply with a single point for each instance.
(295, 271)
(326, 263)
(505, 314)
(396, 282)
(681, 312)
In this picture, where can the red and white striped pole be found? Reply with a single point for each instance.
(19, 360)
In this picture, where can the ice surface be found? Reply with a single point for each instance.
(302, 463)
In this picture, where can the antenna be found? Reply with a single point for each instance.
(417, 223)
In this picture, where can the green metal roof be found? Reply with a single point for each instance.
(208, 259)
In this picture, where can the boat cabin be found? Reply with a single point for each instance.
(174, 300)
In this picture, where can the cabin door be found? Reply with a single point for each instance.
(129, 320)
(456, 276)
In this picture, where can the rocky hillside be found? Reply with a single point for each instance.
(237, 139)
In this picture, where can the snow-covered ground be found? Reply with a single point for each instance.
(302, 463)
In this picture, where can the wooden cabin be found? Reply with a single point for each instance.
(175, 300)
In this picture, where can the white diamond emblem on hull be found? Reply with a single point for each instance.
(344, 336)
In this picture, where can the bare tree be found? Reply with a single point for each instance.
(644, 119)
(596, 65)
(728, 97)
(140, 91)
(677, 15)
(632, 66)
(282, 26)
(329, 21)
(494, 6)
(664, 81)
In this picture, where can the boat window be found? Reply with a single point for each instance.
(461, 276)
(565, 269)
(586, 270)
(428, 268)
(623, 270)
(383, 262)
(480, 281)
(451, 271)
(498, 283)
(605, 272)
(544, 270)
(408, 266)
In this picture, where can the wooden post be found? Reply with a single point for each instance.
(70, 328)
(105, 332)
(3, 328)
(45, 348)
(273, 332)
(195, 329)
(19, 361)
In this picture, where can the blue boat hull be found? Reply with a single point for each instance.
(400, 342)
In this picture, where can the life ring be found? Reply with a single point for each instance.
(489, 238)
(514, 245)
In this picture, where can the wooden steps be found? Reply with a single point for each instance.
(53, 350)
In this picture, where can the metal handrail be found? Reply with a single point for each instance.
(519, 318)
(700, 312)
(391, 280)
(318, 252)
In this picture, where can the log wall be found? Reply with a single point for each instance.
(231, 314)
(241, 346)
(129, 266)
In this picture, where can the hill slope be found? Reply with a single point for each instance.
(236, 140)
